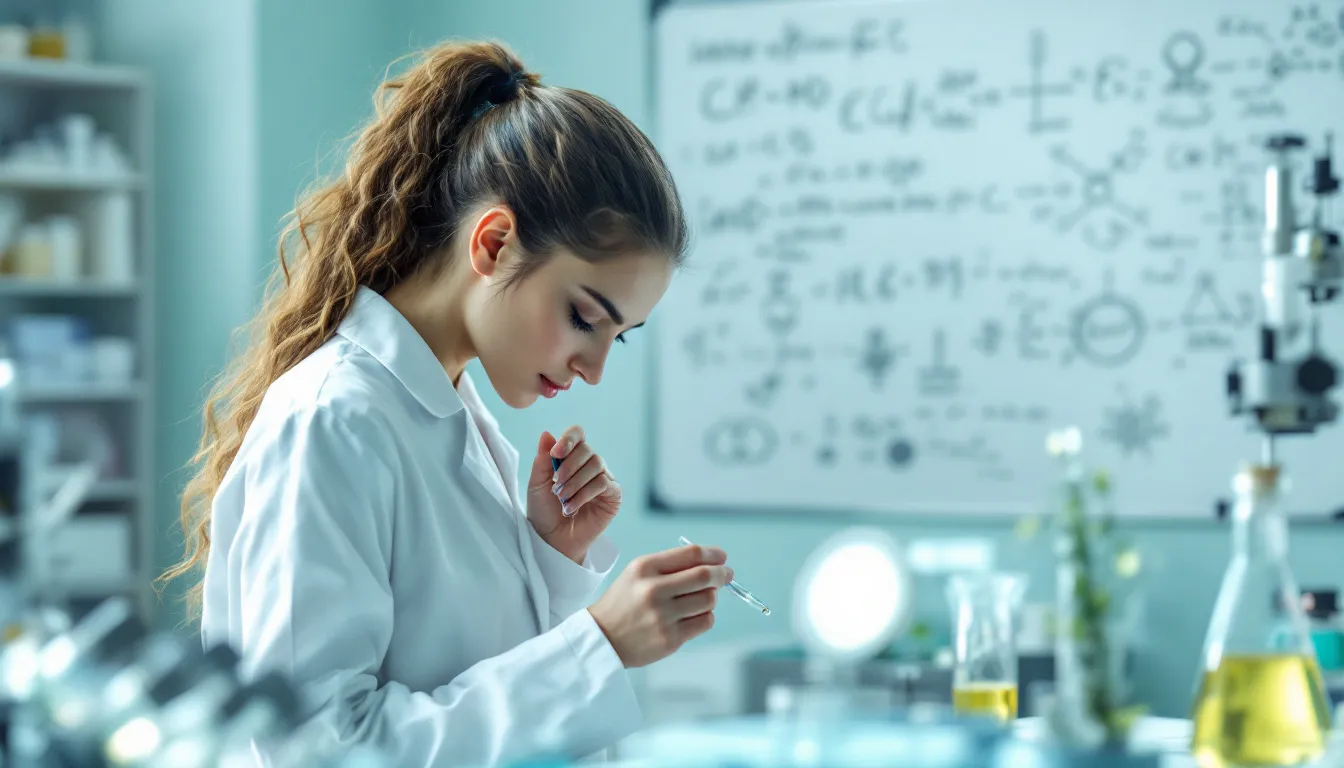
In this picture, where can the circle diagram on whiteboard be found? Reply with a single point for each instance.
(740, 441)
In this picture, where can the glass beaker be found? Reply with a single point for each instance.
(1261, 699)
(984, 616)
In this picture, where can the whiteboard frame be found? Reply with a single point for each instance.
(806, 514)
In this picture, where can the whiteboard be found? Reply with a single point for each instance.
(926, 233)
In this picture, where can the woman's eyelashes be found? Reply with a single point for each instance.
(576, 319)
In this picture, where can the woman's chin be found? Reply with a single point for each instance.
(518, 399)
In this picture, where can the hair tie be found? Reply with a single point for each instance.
(500, 93)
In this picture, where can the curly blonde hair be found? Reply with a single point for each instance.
(466, 124)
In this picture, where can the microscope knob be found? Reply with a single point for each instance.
(1234, 396)
(1316, 375)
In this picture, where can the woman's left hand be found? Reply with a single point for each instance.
(572, 506)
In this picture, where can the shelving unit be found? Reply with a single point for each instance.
(64, 75)
(82, 393)
(118, 98)
(24, 287)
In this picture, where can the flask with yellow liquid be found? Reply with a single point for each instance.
(1261, 700)
(984, 612)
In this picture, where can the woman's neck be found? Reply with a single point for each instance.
(433, 305)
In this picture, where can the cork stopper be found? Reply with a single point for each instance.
(1258, 479)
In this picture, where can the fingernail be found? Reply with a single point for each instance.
(730, 574)
(567, 511)
(556, 489)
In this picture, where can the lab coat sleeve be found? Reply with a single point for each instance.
(572, 587)
(316, 604)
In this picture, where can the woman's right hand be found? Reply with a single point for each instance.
(660, 601)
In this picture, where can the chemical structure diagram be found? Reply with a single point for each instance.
(1108, 329)
(1092, 206)
(780, 312)
(1134, 427)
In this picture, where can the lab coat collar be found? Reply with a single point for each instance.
(379, 329)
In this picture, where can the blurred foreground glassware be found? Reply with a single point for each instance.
(984, 613)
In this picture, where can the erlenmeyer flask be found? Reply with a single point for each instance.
(984, 614)
(1261, 700)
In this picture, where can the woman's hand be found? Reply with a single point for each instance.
(571, 506)
(660, 601)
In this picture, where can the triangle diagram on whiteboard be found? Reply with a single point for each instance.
(1206, 306)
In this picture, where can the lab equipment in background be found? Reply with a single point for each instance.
(49, 249)
(60, 351)
(64, 679)
(1321, 608)
(45, 41)
(732, 586)
(12, 216)
(79, 692)
(13, 42)
(942, 556)
(850, 599)
(1286, 389)
(83, 436)
(89, 551)
(77, 36)
(67, 250)
(110, 219)
(842, 711)
(1258, 704)
(1033, 628)
(781, 665)
(70, 145)
(758, 674)
(112, 360)
(51, 350)
(31, 254)
(985, 608)
(103, 691)
(77, 133)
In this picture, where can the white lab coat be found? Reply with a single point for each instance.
(369, 541)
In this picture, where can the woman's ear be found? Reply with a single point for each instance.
(495, 234)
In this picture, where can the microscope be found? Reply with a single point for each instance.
(1285, 389)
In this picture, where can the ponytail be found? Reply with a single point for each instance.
(465, 124)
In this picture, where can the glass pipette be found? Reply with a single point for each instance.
(738, 589)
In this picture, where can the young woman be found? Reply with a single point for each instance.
(356, 508)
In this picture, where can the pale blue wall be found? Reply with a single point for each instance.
(318, 64)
